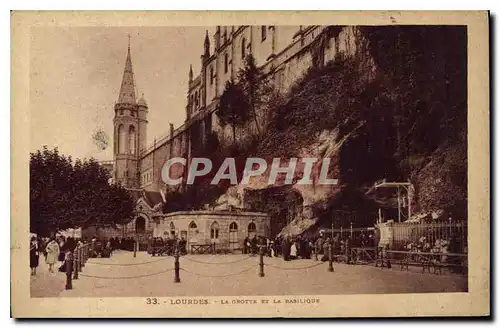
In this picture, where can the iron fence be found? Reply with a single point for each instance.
(408, 236)
(426, 236)
(359, 237)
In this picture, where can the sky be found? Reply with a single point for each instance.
(75, 77)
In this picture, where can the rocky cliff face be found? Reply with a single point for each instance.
(441, 184)
(394, 110)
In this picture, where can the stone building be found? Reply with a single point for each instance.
(226, 229)
(138, 166)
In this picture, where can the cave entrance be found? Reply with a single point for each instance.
(282, 204)
(349, 208)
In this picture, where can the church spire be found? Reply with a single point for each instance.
(127, 89)
(207, 45)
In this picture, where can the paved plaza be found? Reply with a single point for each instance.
(122, 275)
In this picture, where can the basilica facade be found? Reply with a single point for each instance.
(137, 166)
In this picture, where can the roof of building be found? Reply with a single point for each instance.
(152, 198)
(127, 89)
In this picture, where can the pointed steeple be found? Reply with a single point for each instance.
(207, 45)
(190, 73)
(142, 102)
(127, 89)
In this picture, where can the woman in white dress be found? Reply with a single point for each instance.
(52, 251)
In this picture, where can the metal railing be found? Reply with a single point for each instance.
(409, 236)
(425, 236)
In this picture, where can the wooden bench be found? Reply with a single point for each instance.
(427, 260)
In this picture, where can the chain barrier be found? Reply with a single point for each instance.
(131, 277)
(130, 264)
(300, 268)
(74, 264)
(218, 276)
(229, 262)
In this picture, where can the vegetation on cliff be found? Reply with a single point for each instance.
(399, 105)
(412, 109)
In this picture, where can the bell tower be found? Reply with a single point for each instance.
(130, 124)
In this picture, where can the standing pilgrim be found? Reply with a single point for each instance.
(286, 249)
(294, 250)
(52, 250)
(245, 245)
(34, 255)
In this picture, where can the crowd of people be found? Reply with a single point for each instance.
(167, 246)
(441, 247)
(303, 247)
(126, 244)
(54, 249)
(289, 248)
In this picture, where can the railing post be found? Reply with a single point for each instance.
(86, 253)
(80, 258)
(83, 256)
(388, 260)
(69, 268)
(330, 258)
(76, 258)
(83, 259)
(261, 264)
(177, 278)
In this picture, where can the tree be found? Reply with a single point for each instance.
(233, 107)
(96, 202)
(255, 85)
(50, 194)
(65, 195)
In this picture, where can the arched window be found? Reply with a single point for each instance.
(196, 99)
(243, 48)
(140, 225)
(211, 75)
(252, 229)
(172, 228)
(214, 231)
(233, 236)
(131, 139)
(226, 62)
(192, 230)
(263, 32)
(121, 139)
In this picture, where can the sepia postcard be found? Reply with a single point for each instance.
(306, 164)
